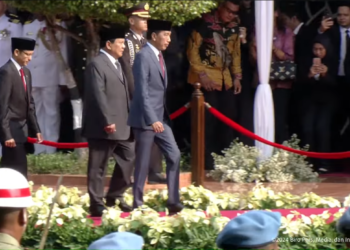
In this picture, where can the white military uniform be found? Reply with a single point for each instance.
(9, 27)
(47, 74)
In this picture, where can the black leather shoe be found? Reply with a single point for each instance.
(156, 179)
(124, 207)
(174, 209)
(96, 211)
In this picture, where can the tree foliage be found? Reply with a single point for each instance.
(105, 10)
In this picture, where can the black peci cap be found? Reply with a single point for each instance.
(112, 32)
(159, 25)
(22, 43)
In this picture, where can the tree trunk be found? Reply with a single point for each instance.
(93, 38)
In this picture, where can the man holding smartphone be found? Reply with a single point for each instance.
(339, 35)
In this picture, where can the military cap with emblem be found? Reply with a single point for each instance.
(250, 230)
(159, 25)
(140, 10)
(22, 43)
(118, 241)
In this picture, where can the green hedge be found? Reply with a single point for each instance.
(176, 11)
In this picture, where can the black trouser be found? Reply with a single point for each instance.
(342, 114)
(281, 99)
(218, 135)
(245, 109)
(100, 151)
(316, 127)
(15, 158)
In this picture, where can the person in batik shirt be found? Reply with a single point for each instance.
(214, 54)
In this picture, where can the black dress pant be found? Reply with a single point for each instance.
(218, 135)
(15, 158)
(316, 121)
(100, 151)
(281, 98)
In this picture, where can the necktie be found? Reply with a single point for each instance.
(22, 76)
(161, 62)
(143, 41)
(119, 69)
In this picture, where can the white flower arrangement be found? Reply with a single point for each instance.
(239, 164)
(195, 227)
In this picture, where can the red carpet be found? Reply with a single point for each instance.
(233, 214)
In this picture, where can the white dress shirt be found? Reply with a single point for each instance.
(343, 50)
(155, 50)
(18, 67)
(113, 60)
(297, 29)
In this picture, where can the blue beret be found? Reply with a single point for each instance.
(343, 224)
(116, 241)
(252, 229)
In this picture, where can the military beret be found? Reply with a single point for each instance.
(141, 10)
(249, 230)
(343, 224)
(118, 241)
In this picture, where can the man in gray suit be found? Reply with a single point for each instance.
(105, 114)
(148, 116)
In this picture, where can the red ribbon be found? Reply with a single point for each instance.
(15, 193)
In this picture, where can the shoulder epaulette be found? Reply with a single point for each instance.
(13, 20)
(28, 21)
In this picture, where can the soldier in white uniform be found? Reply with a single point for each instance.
(10, 26)
(48, 74)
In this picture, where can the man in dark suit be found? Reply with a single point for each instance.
(339, 34)
(148, 115)
(134, 41)
(303, 40)
(105, 114)
(17, 109)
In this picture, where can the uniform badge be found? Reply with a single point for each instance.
(29, 33)
(4, 33)
(146, 6)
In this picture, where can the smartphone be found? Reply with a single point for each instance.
(327, 14)
(317, 61)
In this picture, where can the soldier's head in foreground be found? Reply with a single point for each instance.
(15, 198)
(251, 230)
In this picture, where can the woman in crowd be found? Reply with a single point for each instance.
(282, 50)
(319, 99)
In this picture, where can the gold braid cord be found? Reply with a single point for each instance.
(46, 43)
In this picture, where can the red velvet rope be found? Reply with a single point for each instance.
(173, 116)
(251, 135)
